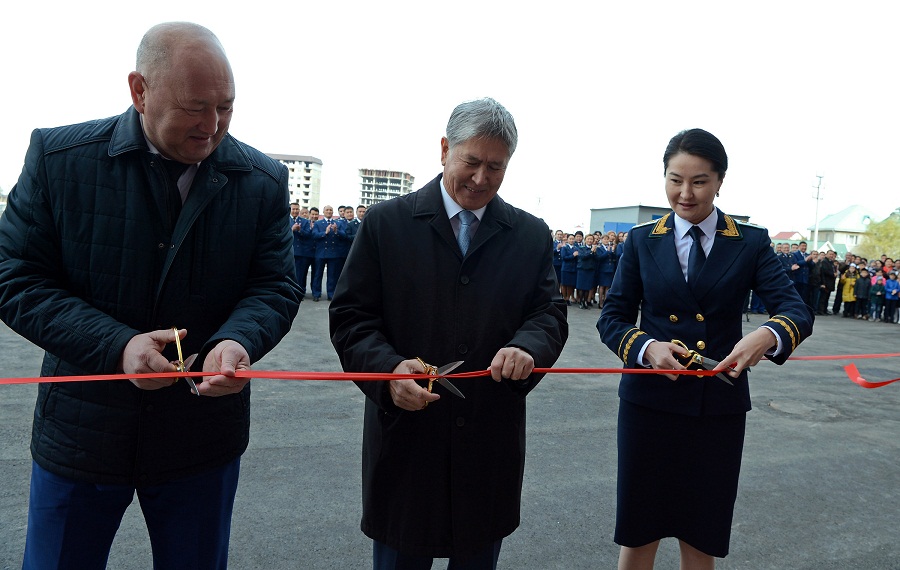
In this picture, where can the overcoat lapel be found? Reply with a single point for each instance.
(430, 204)
(496, 218)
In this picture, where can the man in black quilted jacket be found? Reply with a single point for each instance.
(119, 235)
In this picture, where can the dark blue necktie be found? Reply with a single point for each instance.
(466, 218)
(697, 256)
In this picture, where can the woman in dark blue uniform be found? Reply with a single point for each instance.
(680, 438)
(569, 270)
(586, 268)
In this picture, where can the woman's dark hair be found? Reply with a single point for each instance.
(698, 143)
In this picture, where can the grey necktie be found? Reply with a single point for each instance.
(696, 257)
(466, 218)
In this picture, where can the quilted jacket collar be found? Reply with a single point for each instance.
(128, 136)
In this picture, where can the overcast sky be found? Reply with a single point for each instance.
(793, 89)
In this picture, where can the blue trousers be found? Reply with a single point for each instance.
(335, 265)
(71, 524)
(302, 266)
(386, 558)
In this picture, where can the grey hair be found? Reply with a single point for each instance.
(154, 54)
(482, 118)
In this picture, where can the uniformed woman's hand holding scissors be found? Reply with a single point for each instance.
(749, 351)
(746, 353)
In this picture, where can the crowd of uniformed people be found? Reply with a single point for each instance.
(322, 241)
(585, 265)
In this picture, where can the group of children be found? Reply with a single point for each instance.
(868, 295)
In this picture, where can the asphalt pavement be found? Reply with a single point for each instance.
(819, 488)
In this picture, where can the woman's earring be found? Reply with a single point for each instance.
(717, 194)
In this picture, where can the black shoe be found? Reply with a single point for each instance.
(329, 298)
(316, 299)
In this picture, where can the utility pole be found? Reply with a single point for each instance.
(818, 187)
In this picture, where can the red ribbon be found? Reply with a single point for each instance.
(345, 376)
(854, 376)
(850, 369)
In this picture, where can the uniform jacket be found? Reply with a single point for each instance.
(329, 244)
(650, 280)
(296, 234)
(87, 261)
(447, 479)
(801, 274)
(586, 260)
(607, 260)
(348, 234)
(569, 261)
(304, 243)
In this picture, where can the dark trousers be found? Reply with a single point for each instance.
(814, 294)
(890, 307)
(849, 308)
(302, 265)
(71, 524)
(823, 301)
(335, 265)
(837, 301)
(386, 558)
(803, 291)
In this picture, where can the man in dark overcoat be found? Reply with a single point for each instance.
(442, 475)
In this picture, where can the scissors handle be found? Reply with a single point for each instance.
(430, 370)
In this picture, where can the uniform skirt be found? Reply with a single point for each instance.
(584, 279)
(678, 477)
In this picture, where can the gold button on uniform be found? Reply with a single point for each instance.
(701, 345)
(699, 317)
(673, 318)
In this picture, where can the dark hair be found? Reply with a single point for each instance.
(579, 233)
(698, 143)
(313, 209)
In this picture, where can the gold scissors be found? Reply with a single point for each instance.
(694, 357)
(439, 373)
(182, 365)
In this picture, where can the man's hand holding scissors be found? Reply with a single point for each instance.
(408, 394)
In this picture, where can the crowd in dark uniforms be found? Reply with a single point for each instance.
(867, 290)
(585, 265)
(321, 244)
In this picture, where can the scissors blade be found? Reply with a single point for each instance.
(710, 364)
(187, 366)
(447, 369)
